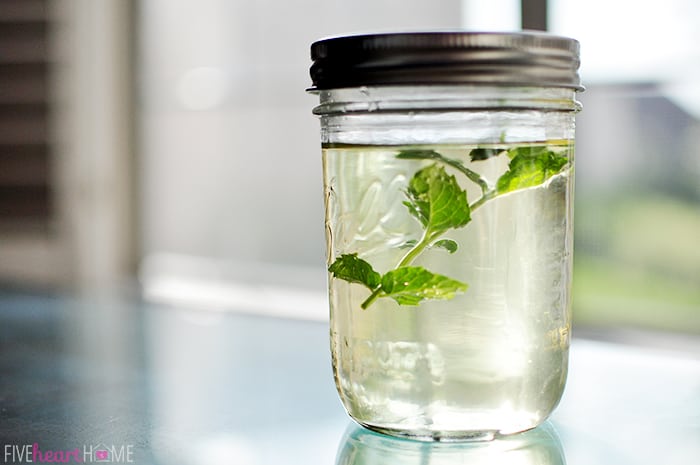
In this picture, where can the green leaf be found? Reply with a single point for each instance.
(529, 166)
(530, 151)
(418, 155)
(447, 244)
(351, 268)
(409, 285)
(408, 244)
(436, 200)
(484, 154)
(418, 211)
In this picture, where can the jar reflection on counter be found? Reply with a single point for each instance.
(540, 446)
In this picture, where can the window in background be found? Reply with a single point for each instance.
(65, 143)
(24, 153)
(638, 162)
(26, 205)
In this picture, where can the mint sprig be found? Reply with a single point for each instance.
(437, 201)
(407, 285)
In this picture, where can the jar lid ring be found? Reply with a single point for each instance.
(493, 58)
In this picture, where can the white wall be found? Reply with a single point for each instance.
(231, 165)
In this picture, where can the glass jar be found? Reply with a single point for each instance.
(448, 175)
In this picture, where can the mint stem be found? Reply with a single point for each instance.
(405, 261)
(456, 164)
(416, 250)
(472, 175)
(483, 199)
(372, 297)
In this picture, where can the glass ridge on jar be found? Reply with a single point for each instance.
(448, 322)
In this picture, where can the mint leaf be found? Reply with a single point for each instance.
(351, 268)
(409, 285)
(529, 166)
(437, 201)
(447, 244)
(484, 154)
(530, 151)
(418, 155)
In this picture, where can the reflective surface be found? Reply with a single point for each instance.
(540, 446)
(177, 386)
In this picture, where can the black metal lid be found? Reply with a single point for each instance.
(492, 58)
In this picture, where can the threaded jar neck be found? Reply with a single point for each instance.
(444, 98)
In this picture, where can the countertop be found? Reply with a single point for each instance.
(116, 379)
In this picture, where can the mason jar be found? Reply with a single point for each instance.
(448, 164)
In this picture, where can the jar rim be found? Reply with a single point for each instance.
(445, 57)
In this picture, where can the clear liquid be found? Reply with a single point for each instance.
(491, 360)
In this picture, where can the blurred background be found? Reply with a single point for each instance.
(170, 143)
